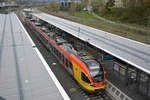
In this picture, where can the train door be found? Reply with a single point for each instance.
(50, 46)
(69, 67)
(76, 72)
(63, 60)
(67, 64)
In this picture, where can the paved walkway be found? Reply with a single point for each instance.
(24, 74)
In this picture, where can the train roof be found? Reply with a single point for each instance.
(85, 55)
(88, 59)
(37, 24)
(51, 34)
(32, 19)
(69, 48)
(92, 64)
(59, 40)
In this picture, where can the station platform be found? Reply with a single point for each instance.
(24, 74)
(128, 71)
(132, 52)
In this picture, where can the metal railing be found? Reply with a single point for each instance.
(115, 92)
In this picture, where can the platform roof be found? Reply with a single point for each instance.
(24, 74)
(132, 52)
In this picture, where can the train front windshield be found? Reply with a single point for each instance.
(95, 70)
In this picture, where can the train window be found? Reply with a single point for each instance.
(84, 78)
(59, 55)
(49, 45)
(63, 59)
(66, 62)
(70, 65)
(53, 49)
(57, 52)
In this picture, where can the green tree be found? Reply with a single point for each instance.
(72, 8)
(109, 4)
(98, 5)
(83, 4)
(79, 7)
(134, 3)
(54, 6)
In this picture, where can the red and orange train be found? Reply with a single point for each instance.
(81, 65)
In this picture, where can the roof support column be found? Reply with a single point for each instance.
(127, 75)
(138, 79)
(147, 85)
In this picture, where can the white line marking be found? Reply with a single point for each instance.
(60, 88)
(57, 83)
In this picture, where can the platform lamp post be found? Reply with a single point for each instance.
(78, 34)
(78, 31)
(87, 41)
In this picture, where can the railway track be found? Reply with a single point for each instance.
(94, 96)
(87, 96)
